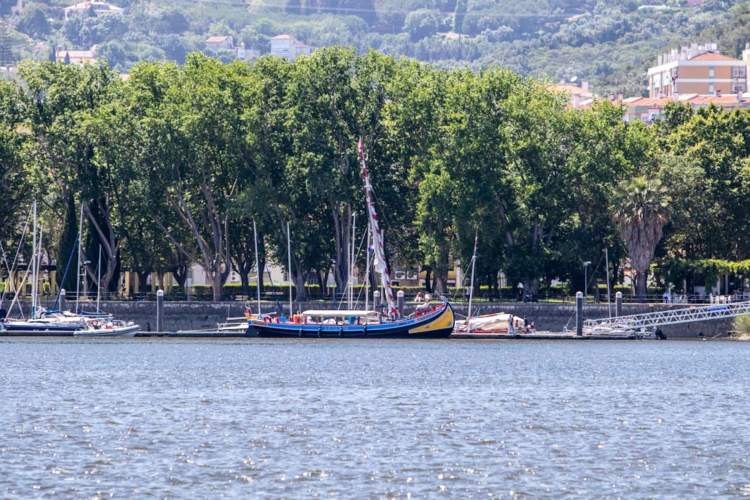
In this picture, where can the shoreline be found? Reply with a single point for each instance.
(205, 316)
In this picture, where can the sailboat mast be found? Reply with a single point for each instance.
(352, 252)
(40, 245)
(367, 270)
(33, 262)
(471, 283)
(379, 263)
(78, 265)
(609, 295)
(98, 278)
(289, 266)
(257, 265)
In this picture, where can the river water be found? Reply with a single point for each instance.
(373, 418)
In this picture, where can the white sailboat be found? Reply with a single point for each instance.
(489, 324)
(43, 322)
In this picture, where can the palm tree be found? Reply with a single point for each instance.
(641, 211)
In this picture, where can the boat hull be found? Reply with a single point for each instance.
(438, 324)
(123, 331)
(30, 328)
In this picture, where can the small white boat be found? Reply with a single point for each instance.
(494, 324)
(490, 324)
(118, 329)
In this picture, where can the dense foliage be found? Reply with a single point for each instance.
(176, 163)
(610, 43)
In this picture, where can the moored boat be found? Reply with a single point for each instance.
(429, 321)
(56, 322)
(67, 323)
(494, 324)
(489, 324)
(433, 322)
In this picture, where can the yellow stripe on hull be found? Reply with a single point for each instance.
(441, 323)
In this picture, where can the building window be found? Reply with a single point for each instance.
(712, 89)
(711, 72)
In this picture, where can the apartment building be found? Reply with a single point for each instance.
(97, 7)
(288, 47)
(79, 57)
(218, 43)
(697, 69)
(651, 109)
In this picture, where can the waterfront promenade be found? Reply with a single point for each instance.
(554, 317)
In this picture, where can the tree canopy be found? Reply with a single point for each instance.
(176, 164)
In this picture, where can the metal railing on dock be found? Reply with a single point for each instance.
(654, 320)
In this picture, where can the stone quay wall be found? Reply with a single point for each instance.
(546, 316)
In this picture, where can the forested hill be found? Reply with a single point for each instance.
(610, 43)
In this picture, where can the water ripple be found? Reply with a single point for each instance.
(373, 419)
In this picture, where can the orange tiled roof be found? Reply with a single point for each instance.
(647, 101)
(692, 99)
(714, 99)
(712, 56)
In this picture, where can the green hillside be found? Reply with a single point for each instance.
(609, 43)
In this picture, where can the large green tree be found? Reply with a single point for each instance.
(14, 182)
(62, 103)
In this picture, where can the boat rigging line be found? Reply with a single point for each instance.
(12, 268)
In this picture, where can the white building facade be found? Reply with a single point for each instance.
(288, 47)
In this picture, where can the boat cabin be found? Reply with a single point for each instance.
(345, 317)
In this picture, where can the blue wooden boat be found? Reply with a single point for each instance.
(434, 321)
(437, 322)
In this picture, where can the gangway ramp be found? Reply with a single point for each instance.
(650, 322)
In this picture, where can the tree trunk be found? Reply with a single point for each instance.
(261, 271)
(142, 281)
(342, 228)
(299, 286)
(427, 279)
(217, 284)
(530, 288)
(67, 247)
(180, 271)
(641, 284)
(324, 290)
(244, 280)
(100, 234)
(441, 271)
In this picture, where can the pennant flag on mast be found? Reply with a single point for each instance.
(379, 262)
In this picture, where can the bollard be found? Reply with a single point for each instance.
(579, 314)
(62, 299)
(160, 311)
(400, 301)
(618, 304)
(376, 299)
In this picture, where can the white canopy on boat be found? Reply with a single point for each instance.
(339, 314)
